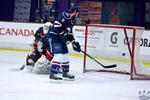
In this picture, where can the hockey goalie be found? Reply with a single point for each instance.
(38, 59)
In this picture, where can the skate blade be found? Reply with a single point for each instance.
(68, 79)
(55, 81)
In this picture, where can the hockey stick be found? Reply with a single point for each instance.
(18, 69)
(21, 68)
(109, 66)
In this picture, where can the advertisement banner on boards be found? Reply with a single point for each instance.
(112, 39)
(17, 32)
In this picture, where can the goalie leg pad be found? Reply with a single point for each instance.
(45, 69)
(34, 56)
(29, 68)
(31, 58)
(41, 66)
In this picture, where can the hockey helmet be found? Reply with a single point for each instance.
(46, 27)
(73, 9)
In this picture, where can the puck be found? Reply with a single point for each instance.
(123, 54)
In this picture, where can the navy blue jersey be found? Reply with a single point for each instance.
(60, 33)
(63, 26)
(61, 23)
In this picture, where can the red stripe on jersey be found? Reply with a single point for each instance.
(65, 64)
(57, 24)
(56, 64)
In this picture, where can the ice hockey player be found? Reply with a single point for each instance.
(57, 38)
(37, 61)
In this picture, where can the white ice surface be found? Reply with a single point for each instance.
(22, 85)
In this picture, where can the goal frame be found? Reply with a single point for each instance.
(131, 51)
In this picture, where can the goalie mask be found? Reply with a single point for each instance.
(46, 27)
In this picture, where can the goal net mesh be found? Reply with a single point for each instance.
(114, 44)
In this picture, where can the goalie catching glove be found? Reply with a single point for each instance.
(76, 46)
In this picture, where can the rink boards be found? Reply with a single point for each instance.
(18, 36)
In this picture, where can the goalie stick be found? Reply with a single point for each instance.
(109, 66)
(21, 68)
(18, 69)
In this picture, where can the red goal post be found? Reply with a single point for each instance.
(118, 44)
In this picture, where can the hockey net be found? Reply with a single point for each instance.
(114, 44)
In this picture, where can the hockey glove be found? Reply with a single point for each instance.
(76, 46)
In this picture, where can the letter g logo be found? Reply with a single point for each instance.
(114, 38)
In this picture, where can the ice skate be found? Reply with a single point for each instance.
(54, 78)
(67, 76)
